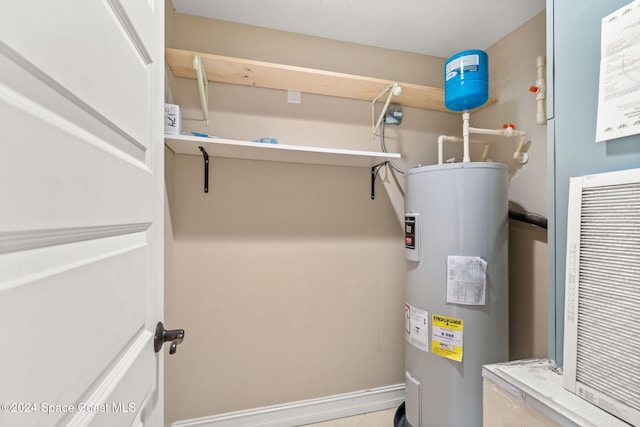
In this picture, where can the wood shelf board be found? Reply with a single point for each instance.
(287, 77)
(216, 147)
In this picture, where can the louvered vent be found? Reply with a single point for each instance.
(608, 329)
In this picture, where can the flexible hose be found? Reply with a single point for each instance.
(529, 218)
(384, 150)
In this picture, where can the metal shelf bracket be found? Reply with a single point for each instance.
(375, 170)
(394, 89)
(203, 88)
(206, 168)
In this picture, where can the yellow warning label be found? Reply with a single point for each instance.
(446, 337)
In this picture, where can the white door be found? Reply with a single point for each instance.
(81, 203)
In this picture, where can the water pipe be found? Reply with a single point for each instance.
(508, 130)
(465, 136)
(540, 89)
(521, 156)
(445, 138)
(485, 152)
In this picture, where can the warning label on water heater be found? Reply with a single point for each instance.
(461, 65)
(416, 329)
(446, 337)
(466, 280)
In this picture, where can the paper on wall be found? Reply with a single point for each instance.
(619, 90)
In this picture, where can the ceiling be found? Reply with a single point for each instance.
(432, 27)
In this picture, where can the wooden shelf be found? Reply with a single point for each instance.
(216, 147)
(286, 77)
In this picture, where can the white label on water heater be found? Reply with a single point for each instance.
(416, 327)
(466, 280)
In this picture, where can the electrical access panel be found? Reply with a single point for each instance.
(412, 236)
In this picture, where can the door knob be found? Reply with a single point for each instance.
(174, 336)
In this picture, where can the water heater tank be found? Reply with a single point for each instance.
(466, 80)
(456, 293)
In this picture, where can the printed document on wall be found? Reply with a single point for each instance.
(619, 91)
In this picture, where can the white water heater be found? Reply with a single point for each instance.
(456, 290)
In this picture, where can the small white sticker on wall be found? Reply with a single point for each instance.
(294, 97)
(466, 280)
(416, 327)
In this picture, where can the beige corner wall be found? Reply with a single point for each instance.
(512, 70)
(286, 277)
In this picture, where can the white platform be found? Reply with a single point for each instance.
(538, 385)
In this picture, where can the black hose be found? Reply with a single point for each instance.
(529, 218)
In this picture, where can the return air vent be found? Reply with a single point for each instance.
(602, 312)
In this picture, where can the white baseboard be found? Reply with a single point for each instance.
(306, 411)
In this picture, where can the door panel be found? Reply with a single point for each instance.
(76, 47)
(57, 158)
(57, 106)
(81, 180)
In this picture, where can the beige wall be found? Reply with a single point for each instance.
(512, 70)
(239, 112)
(286, 277)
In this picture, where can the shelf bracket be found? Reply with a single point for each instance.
(394, 89)
(203, 88)
(206, 168)
(375, 170)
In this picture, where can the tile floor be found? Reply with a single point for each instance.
(373, 419)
